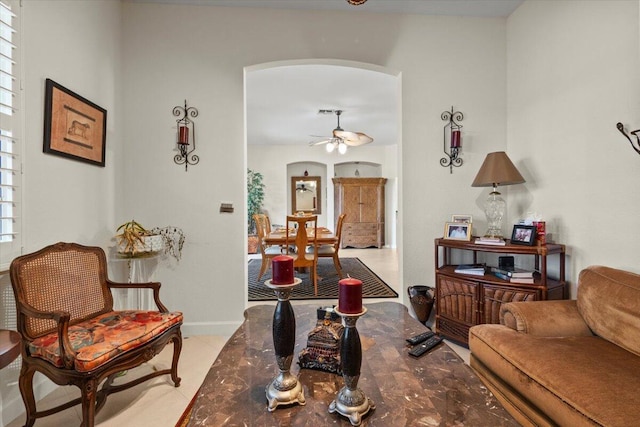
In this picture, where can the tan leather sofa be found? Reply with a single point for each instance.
(569, 362)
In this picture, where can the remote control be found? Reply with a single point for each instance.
(420, 337)
(421, 349)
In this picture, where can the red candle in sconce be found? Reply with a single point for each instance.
(455, 139)
(282, 270)
(350, 296)
(183, 135)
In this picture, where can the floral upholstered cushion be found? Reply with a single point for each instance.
(104, 337)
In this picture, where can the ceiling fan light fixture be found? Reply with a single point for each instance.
(342, 147)
(330, 147)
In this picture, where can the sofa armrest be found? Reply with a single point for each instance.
(558, 318)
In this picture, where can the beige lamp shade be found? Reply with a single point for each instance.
(497, 169)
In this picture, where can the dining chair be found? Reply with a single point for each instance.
(331, 251)
(300, 240)
(267, 252)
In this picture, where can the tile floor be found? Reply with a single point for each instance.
(156, 402)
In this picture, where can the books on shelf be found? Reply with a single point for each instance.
(474, 269)
(496, 241)
(513, 274)
(513, 271)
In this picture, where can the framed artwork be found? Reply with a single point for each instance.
(523, 235)
(462, 218)
(457, 231)
(74, 127)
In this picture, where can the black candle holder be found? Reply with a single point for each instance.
(452, 118)
(284, 389)
(351, 401)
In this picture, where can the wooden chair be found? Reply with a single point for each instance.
(302, 258)
(267, 252)
(331, 251)
(72, 335)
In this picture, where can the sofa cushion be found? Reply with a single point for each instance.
(573, 380)
(104, 337)
(609, 302)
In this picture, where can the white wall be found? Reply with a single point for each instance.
(572, 75)
(199, 53)
(78, 45)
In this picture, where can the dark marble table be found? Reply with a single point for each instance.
(437, 389)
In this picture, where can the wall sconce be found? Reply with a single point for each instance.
(186, 135)
(455, 139)
(635, 133)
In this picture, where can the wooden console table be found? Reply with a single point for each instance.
(436, 389)
(464, 300)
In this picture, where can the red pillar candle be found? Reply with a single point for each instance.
(282, 269)
(455, 139)
(183, 135)
(350, 295)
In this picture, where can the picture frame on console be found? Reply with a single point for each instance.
(457, 231)
(523, 235)
(467, 219)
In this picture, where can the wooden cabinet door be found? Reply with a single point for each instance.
(351, 203)
(456, 306)
(494, 296)
(369, 203)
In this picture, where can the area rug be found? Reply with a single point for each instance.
(372, 285)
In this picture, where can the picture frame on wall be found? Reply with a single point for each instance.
(457, 231)
(74, 127)
(523, 235)
(462, 218)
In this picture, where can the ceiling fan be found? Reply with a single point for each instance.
(342, 138)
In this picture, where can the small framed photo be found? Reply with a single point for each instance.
(523, 235)
(467, 219)
(74, 127)
(457, 231)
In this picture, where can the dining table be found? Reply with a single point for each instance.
(278, 236)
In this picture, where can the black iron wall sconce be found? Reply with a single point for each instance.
(186, 135)
(455, 139)
(636, 145)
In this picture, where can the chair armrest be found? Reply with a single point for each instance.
(557, 318)
(155, 286)
(62, 319)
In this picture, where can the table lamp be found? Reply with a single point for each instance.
(497, 169)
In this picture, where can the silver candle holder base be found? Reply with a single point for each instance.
(284, 389)
(351, 401)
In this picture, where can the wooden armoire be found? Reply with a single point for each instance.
(362, 199)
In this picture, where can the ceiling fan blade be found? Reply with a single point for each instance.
(355, 139)
(324, 141)
(344, 134)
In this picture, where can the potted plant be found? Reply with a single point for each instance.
(134, 240)
(255, 198)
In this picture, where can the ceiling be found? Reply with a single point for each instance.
(486, 8)
(283, 102)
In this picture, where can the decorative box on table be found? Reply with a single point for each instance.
(323, 343)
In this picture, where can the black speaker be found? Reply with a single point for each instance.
(505, 262)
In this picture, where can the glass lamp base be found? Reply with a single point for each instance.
(494, 209)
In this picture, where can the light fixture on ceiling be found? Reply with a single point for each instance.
(341, 138)
(497, 169)
(356, 2)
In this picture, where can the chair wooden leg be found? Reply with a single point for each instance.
(263, 266)
(26, 389)
(177, 347)
(336, 263)
(314, 273)
(88, 392)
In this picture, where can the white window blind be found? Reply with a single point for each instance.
(10, 130)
